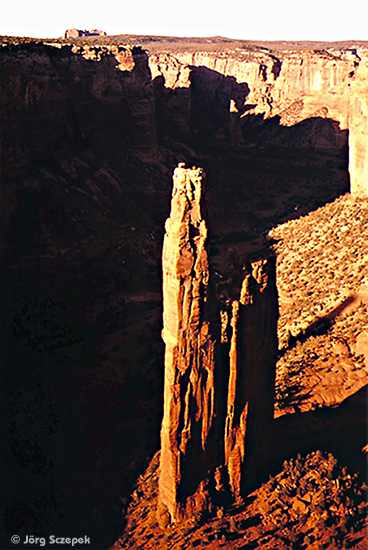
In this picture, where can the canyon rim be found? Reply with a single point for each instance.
(92, 130)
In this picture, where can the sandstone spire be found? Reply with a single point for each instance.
(189, 354)
(252, 360)
(219, 390)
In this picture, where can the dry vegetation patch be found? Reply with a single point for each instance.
(324, 369)
(322, 259)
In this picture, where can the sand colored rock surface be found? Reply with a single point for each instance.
(358, 129)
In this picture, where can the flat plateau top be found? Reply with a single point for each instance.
(156, 44)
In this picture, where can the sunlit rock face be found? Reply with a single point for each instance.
(358, 130)
(189, 355)
(293, 87)
(252, 360)
(206, 368)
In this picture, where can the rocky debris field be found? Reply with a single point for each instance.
(312, 503)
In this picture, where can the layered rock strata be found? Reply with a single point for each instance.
(292, 86)
(358, 130)
(203, 369)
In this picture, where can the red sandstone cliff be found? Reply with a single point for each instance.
(202, 95)
(51, 91)
(293, 86)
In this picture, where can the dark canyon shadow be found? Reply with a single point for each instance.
(86, 179)
(340, 430)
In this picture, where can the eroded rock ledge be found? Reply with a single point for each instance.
(219, 380)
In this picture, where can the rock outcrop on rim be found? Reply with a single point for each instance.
(76, 33)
